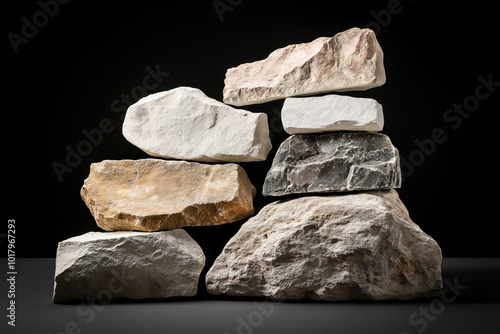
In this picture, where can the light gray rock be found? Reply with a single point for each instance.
(156, 194)
(341, 161)
(360, 246)
(350, 60)
(100, 266)
(184, 123)
(301, 115)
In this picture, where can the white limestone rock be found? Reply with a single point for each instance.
(183, 123)
(359, 246)
(350, 60)
(100, 266)
(301, 115)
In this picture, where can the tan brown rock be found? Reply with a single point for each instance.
(350, 60)
(154, 194)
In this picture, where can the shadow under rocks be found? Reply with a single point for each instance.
(471, 280)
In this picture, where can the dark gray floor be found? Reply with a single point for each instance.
(472, 306)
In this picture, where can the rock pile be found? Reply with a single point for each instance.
(342, 233)
(343, 245)
(136, 201)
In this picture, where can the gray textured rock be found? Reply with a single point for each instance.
(350, 60)
(331, 113)
(343, 161)
(183, 123)
(155, 194)
(106, 265)
(333, 248)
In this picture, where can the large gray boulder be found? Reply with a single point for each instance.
(361, 246)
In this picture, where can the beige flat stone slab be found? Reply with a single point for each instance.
(155, 194)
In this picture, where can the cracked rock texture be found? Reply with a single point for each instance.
(331, 113)
(155, 194)
(360, 246)
(350, 60)
(100, 266)
(343, 161)
(185, 124)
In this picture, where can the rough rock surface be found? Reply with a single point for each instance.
(183, 123)
(339, 247)
(155, 194)
(331, 113)
(350, 60)
(101, 266)
(343, 161)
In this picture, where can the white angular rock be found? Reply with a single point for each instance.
(331, 113)
(342, 247)
(350, 60)
(105, 265)
(183, 123)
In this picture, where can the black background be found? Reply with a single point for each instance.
(65, 79)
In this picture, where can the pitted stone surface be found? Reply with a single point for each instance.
(339, 247)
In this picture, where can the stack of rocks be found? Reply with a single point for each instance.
(144, 204)
(341, 233)
(358, 243)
